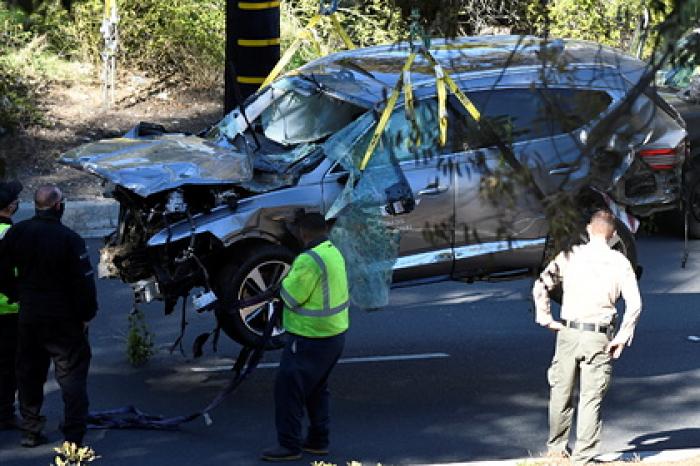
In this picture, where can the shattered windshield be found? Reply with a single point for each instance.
(292, 111)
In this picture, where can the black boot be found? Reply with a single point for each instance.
(315, 448)
(280, 453)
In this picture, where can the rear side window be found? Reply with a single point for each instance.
(524, 114)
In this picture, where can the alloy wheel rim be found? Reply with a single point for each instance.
(257, 280)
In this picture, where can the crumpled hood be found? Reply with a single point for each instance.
(157, 163)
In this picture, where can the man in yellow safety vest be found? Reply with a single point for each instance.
(9, 203)
(315, 316)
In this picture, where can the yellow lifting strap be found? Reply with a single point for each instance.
(442, 103)
(452, 85)
(289, 53)
(341, 32)
(307, 33)
(409, 108)
(443, 81)
(384, 119)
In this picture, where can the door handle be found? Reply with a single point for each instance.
(563, 170)
(432, 190)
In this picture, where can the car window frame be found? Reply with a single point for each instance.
(614, 94)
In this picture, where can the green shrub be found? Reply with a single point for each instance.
(139, 340)
(18, 103)
(165, 37)
(370, 22)
(187, 37)
(12, 32)
(613, 22)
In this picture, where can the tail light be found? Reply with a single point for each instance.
(663, 158)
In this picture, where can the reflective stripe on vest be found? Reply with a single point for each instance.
(5, 307)
(327, 310)
(318, 279)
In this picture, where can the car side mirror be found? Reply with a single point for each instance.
(399, 199)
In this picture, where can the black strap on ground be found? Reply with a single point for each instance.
(248, 359)
(183, 326)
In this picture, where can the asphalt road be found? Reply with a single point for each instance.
(477, 391)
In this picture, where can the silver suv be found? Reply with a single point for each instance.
(216, 211)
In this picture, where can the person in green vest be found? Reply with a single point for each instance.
(315, 315)
(9, 202)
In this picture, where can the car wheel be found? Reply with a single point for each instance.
(623, 241)
(257, 272)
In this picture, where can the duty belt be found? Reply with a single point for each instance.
(602, 328)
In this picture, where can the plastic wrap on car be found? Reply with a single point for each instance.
(369, 245)
(370, 250)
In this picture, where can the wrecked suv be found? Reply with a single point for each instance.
(216, 211)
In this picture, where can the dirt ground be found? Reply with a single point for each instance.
(75, 113)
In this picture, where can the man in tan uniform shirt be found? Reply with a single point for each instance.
(593, 277)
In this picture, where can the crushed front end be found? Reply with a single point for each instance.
(167, 271)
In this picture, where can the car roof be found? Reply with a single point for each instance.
(366, 75)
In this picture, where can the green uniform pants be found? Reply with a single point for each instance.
(580, 357)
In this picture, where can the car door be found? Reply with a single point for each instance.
(426, 232)
(499, 222)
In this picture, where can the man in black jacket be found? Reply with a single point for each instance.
(45, 266)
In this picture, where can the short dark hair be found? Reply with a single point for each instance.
(313, 224)
(47, 196)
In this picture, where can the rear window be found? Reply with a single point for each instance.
(524, 114)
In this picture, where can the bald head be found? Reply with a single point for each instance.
(602, 224)
(47, 197)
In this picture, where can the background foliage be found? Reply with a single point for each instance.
(184, 39)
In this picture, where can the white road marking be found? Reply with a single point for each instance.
(356, 360)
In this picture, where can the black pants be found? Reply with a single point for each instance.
(8, 380)
(65, 344)
(302, 382)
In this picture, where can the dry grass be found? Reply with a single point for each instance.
(74, 114)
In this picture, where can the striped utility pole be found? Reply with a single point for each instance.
(252, 47)
(108, 28)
